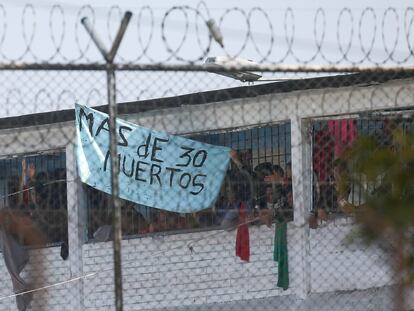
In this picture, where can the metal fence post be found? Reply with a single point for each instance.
(112, 111)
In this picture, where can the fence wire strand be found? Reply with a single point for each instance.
(281, 183)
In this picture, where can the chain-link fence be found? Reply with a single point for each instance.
(278, 185)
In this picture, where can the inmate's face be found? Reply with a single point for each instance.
(31, 170)
(274, 178)
(338, 173)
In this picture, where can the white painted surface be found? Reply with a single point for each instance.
(164, 273)
(338, 265)
(45, 268)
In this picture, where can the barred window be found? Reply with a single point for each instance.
(268, 144)
(330, 139)
(35, 185)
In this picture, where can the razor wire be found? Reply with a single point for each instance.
(347, 36)
(352, 76)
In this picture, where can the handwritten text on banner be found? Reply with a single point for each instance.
(156, 169)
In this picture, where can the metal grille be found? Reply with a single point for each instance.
(257, 145)
(331, 137)
(46, 201)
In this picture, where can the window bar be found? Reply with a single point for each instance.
(273, 140)
(258, 145)
(279, 135)
(265, 143)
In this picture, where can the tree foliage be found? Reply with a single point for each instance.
(384, 168)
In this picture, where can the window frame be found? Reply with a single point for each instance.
(376, 115)
(288, 155)
(26, 154)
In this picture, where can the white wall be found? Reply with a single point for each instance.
(162, 272)
(339, 265)
(279, 107)
(45, 268)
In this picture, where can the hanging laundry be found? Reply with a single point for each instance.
(242, 237)
(323, 150)
(344, 133)
(280, 255)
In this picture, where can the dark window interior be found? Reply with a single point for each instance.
(40, 197)
(329, 140)
(269, 144)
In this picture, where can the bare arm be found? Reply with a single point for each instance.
(235, 158)
(22, 181)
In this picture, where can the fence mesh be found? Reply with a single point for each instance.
(242, 185)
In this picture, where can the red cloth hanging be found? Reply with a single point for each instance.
(242, 238)
(344, 133)
(323, 154)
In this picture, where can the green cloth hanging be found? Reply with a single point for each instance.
(280, 255)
